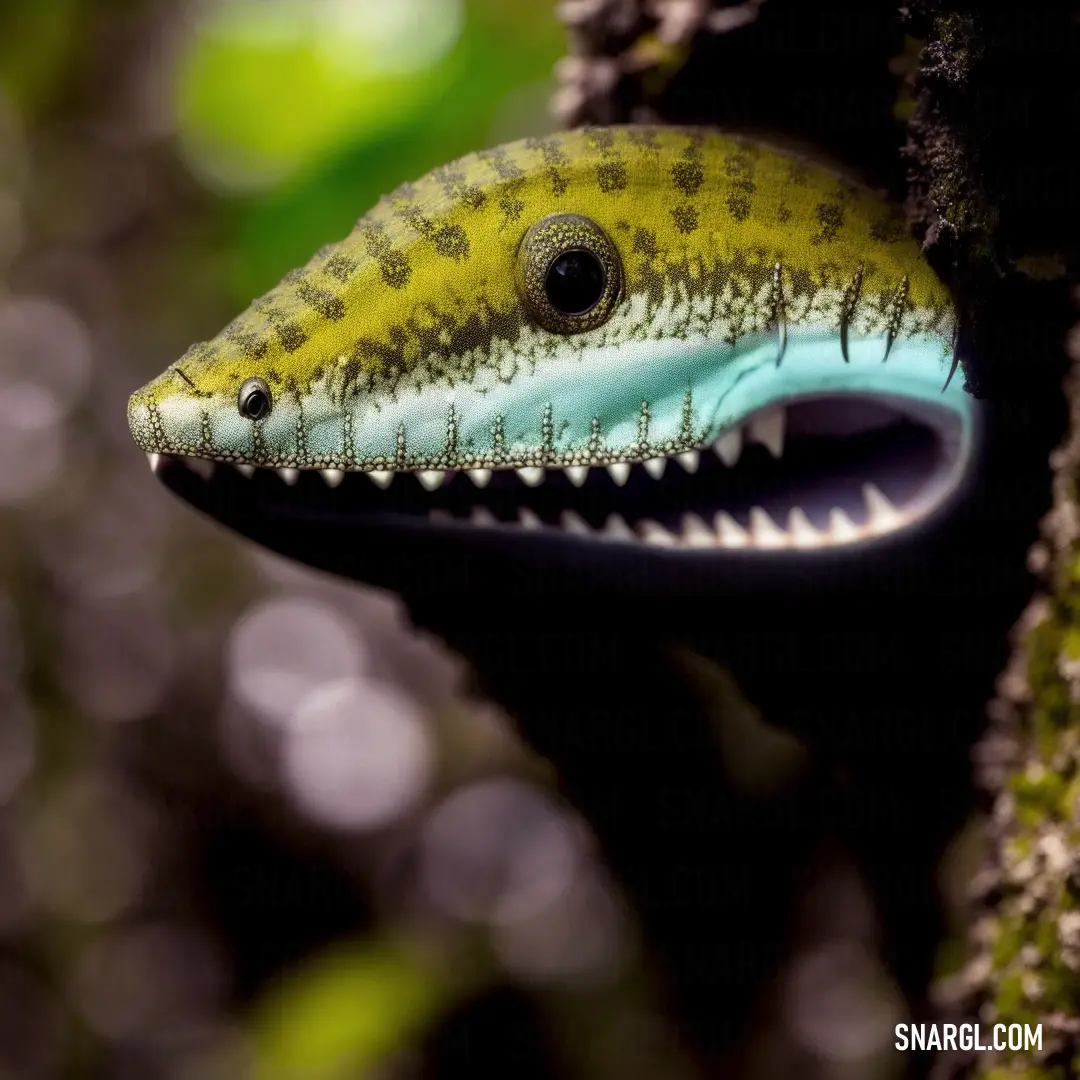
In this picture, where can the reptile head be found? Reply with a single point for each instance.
(667, 342)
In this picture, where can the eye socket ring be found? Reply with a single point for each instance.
(254, 400)
(569, 274)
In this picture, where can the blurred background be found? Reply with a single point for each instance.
(251, 823)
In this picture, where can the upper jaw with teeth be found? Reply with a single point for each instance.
(717, 530)
(766, 428)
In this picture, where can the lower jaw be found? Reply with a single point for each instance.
(477, 570)
(822, 494)
(886, 485)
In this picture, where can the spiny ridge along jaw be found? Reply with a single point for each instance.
(811, 473)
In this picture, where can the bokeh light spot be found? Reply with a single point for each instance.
(358, 754)
(121, 657)
(88, 852)
(143, 982)
(45, 343)
(498, 851)
(269, 88)
(405, 36)
(31, 440)
(840, 1003)
(579, 938)
(283, 649)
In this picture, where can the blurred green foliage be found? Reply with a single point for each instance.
(264, 93)
(307, 120)
(38, 43)
(344, 1011)
(299, 114)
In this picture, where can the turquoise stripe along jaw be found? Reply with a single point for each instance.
(624, 402)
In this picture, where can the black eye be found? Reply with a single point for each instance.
(575, 282)
(254, 400)
(569, 275)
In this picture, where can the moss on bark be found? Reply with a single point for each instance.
(1024, 944)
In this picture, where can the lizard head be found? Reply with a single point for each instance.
(670, 341)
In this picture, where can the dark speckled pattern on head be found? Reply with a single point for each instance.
(426, 276)
(717, 238)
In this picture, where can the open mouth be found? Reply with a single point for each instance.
(814, 472)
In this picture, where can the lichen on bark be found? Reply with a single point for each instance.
(1024, 944)
(946, 199)
(1023, 961)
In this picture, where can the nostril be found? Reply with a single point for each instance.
(184, 377)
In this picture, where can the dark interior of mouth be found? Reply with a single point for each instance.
(833, 447)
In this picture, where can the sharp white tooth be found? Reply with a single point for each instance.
(764, 531)
(532, 475)
(841, 527)
(655, 534)
(203, 467)
(577, 474)
(883, 515)
(479, 477)
(481, 515)
(620, 472)
(574, 523)
(431, 478)
(333, 477)
(247, 471)
(154, 459)
(382, 477)
(290, 476)
(730, 532)
(767, 428)
(617, 529)
(729, 446)
(528, 519)
(655, 467)
(696, 533)
(801, 528)
(690, 460)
